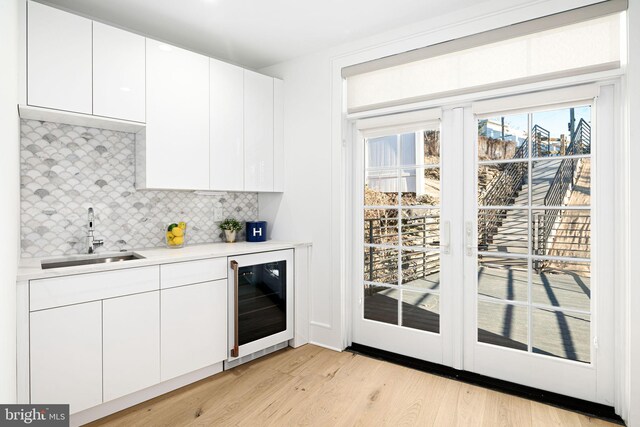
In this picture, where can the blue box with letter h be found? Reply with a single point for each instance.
(256, 231)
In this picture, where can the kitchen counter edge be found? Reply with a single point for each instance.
(31, 269)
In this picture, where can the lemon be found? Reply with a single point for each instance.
(178, 232)
(178, 240)
(169, 235)
(182, 225)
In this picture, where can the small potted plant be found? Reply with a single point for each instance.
(230, 226)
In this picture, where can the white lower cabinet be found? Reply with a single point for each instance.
(122, 333)
(193, 327)
(131, 343)
(66, 355)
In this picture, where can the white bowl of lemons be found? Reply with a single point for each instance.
(176, 234)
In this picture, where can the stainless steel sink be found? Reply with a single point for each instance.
(89, 259)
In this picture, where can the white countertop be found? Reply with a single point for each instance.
(30, 268)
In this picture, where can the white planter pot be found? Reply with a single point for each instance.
(230, 236)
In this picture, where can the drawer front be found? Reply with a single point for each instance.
(186, 273)
(59, 291)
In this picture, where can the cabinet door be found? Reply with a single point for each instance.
(193, 327)
(58, 59)
(258, 132)
(278, 135)
(227, 133)
(118, 73)
(66, 355)
(177, 132)
(131, 342)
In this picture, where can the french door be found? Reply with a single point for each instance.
(403, 236)
(484, 238)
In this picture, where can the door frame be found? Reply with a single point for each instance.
(461, 106)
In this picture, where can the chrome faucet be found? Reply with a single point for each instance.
(92, 243)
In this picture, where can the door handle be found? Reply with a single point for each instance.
(446, 237)
(235, 352)
(468, 235)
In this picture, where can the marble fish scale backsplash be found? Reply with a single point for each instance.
(66, 169)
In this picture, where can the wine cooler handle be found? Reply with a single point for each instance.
(235, 352)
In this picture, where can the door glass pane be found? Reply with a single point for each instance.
(566, 131)
(562, 233)
(382, 152)
(535, 171)
(503, 278)
(421, 311)
(421, 227)
(503, 137)
(420, 186)
(381, 265)
(562, 284)
(409, 149)
(421, 269)
(503, 184)
(503, 230)
(431, 139)
(381, 304)
(504, 325)
(562, 334)
(565, 182)
(381, 226)
(402, 230)
(381, 188)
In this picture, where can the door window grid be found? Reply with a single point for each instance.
(534, 257)
(400, 168)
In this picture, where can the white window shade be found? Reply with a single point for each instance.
(588, 46)
(399, 123)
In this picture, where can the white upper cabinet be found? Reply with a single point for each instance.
(226, 124)
(202, 124)
(176, 151)
(278, 135)
(258, 132)
(118, 73)
(58, 59)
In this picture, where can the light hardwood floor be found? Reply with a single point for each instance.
(314, 386)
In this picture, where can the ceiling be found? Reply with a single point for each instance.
(259, 33)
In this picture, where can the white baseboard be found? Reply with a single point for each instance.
(113, 406)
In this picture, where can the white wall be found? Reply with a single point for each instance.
(303, 211)
(10, 196)
(633, 298)
(310, 208)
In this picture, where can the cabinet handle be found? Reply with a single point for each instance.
(235, 352)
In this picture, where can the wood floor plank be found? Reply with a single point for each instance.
(503, 410)
(313, 386)
(471, 405)
(446, 415)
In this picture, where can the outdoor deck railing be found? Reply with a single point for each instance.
(419, 232)
(559, 189)
(502, 191)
